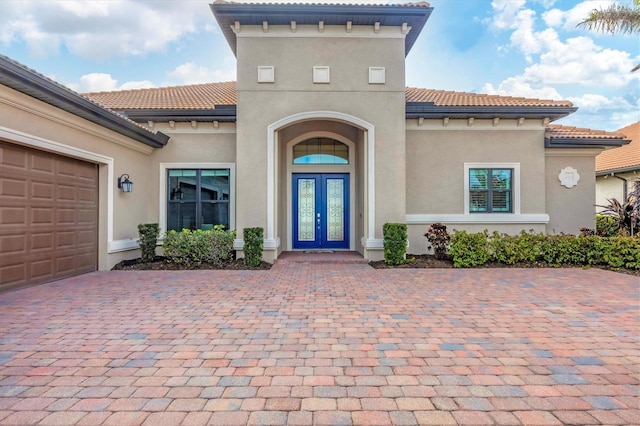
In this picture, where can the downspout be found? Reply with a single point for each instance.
(625, 186)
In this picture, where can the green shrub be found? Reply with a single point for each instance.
(504, 248)
(623, 252)
(606, 226)
(438, 238)
(222, 245)
(469, 250)
(563, 250)
(395, 243)
(253, 246)
(593, 248)
(148, 233)
(529, 246)
(188, 248)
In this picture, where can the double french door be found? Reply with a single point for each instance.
(320, 211)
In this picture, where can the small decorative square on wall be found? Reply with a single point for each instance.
(266, 74)
(377, 75)
(321, 75)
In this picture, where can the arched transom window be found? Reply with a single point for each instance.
(320, 151)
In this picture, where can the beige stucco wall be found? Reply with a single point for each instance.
(348, 93)
(66, 134)
(435, 165)
(436, 156)
(570, 208)
(189, 147)
(611, 187)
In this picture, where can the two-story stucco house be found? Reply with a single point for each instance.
(319, 142)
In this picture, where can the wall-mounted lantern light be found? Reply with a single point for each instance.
(124, 183)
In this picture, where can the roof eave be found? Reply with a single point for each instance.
(563, 142)
(429, 110)
(224, 113)
(627, 169)
(227, 13)
(19, 78)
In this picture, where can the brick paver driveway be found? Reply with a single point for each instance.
(323, 344)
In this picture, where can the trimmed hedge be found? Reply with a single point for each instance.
(395, 243)
(193, 248)
(253, 245)
(148, 233)
(468, 250)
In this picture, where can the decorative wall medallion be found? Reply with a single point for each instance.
(569, 177)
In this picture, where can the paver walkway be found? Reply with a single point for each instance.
(323, 344)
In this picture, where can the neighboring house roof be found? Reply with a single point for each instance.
(25, 80)
(622, 159)
(414, 15)
(557, 136)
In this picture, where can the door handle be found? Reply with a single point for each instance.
(318, 220)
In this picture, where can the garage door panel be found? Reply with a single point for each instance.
(13, 274)
(42, 216)
(13, 157)
(14, 216)
(65, 265)
(48, 216)
(87, 195)
(66, 193)
(13, 188)
(43, 163)
(41, 270)
(41, 241)
(66, 216)
(65, 239)
(42, 191)
(13, 244)
(86, 216)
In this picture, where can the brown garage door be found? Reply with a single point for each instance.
(48, 216)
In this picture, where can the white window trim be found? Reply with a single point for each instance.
(515, 185)
(162, 208)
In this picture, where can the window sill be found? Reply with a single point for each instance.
(477, 218)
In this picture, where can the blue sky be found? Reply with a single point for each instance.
(528, 48)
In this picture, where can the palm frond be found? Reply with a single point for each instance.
(616, 18)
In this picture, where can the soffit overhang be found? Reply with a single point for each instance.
(222, 113)
(596, 142)
(429, 110)
(415, 15)
(25, 80)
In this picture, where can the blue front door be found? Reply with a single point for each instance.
(320, 211)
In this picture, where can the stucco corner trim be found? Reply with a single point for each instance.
(123, 245)
(268, 244)
(373, 243)
(488, 218)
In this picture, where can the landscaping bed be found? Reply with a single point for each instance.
(419, 261)
(163, 264)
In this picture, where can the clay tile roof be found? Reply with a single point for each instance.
(196, 96)
(448, 98)
(624, 157)
(568, 132)
(208, 95)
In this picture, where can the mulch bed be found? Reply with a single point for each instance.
(162, 264)
(419, 261)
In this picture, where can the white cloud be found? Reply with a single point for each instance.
(516, 86)
(601, 112)
(100, 29)
(101, 82)
(191, 73)
(567, 20)
(506, 13)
